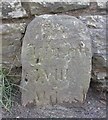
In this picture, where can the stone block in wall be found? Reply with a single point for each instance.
(97, 28)
(94, 21)
(102, 4)
(56, 60)
(38, 8)
(12, 9)
(0, 9)
(11, 44)
(99, 45)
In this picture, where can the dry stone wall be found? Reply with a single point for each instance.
(16, 16)
(97, 26)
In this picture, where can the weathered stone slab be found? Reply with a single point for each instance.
(11, 44)
(12, 9)
(56, 60)
(38, 8)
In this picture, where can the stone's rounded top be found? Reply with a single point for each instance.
(64, 23)
(45, 16)
(58, 19)
(52, 1)
(49, 16)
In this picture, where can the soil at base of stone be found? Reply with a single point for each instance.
(93, 107)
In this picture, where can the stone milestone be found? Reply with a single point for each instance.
(56, 60)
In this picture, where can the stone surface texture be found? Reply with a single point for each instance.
(12, 9)
(56, 60)
(97, 28)
(15, 13)
(102, 4)
(38, 8)
(0, 9)
(94, 21)
(11, 44)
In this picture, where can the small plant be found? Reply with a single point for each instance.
(6, 90)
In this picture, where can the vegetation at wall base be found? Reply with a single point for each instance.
(7, 90)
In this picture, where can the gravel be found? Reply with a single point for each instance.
(93, 107)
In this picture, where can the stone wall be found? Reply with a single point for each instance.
(16, 15)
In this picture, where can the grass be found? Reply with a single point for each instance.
(7, 89)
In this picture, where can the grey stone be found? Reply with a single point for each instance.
(12, 9)
(102, 5)
(99, 45)
(56, 60)
(38, 8)
(0, 9)
(97, 27)
(99, 61)
(99, 79)
(94, 21)
(11, 44)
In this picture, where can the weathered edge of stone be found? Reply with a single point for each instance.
(12, 9)
(11, 44)
(38, 8)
